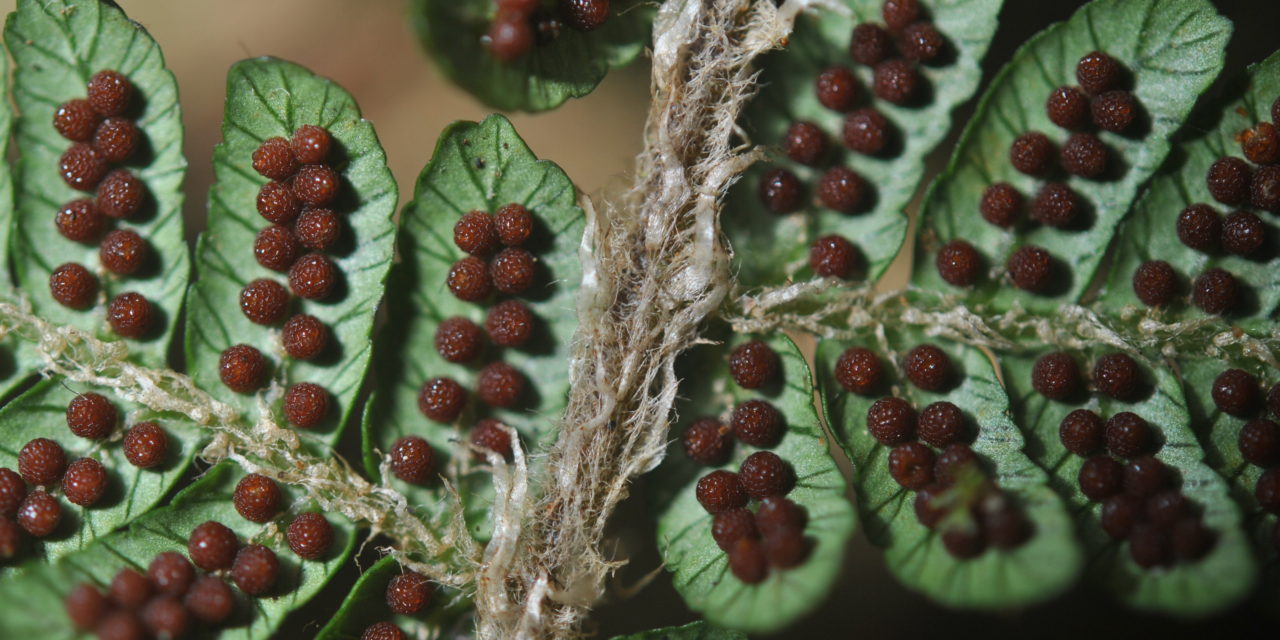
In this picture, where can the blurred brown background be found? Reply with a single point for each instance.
(366, 46)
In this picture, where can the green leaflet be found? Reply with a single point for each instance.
(366, 604)
(1150, 233)
(476, 166)
(265, 98)
(1173, 50)
(693, 631)
(571, 67)
(1221, 578)
(34, 591)
(57, 46)
(1043, 567)
(41, 413)
(684, 528)
(12, 372)
(788, 95)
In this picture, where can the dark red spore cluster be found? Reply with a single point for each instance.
(520, 25)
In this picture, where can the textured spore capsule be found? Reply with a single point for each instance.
(758, 423)
(412, 459)
(146, 445)
(41, 462)
(1084, 155)
(940, 424)
(926, 505)
(1119, 514)
(720, 491)
(73, 286)
(1145, 476)
(842, 189)
(1149, 546)
(209, 600)
(1215, 291)
(85, 606)
(805, 143)
(1082, 432)
(753, 364)
(858, 370)
(123, 252)
(116, 139)
(1117, 375)
(1189, 539)
(76, 120)
(896, 81)
(82, 167)
(459, 340)
(310, 535)
(500, 385)
(317, 229)
(952, 461)
(921, 42)
(1128, 435)
(1114, 111)
(264, 301)
(212, 546)
(92, 416)
(274, 159)
(964, 543)
(837, 89)
(867, 131)
(310, 144)
(313, 276)
(1031, 153)
(130, 588)
(304, 336)
(1243, 233)
(1056, 205)
(408, 593)
(514, 224)
(1228, 180)
(1056, 376)
(84, 482)
(778, 515)
(109, 92)
(764, 474)
(257, 498)
(1005, 526)
(316, 184)
(509, 323)
(383, 631)
(165, 617)
(833, 257)
(911, 465)
(780, 191)
(898, 14)
(39, 514)
(442, 399)
(1237, 393)
(255, 569)
(277, 204)
(891, 421)
(708, 441)
(1259, 442)
(476, 234)
(171, 573)
(488, 434)
(306, 404)
(1155, 283)
(1261, 143)
(958, 263)
(80, 221)
(747, 561)
(513, 270)
(928, 368)
(275, 248)
(727, 527)
(12, 490)
(242, 368)
(1267, 491)
(1097, 72)
(870, 44)
(1100, 478)
(1001, 205)
(510, 36)
(1200, 227)
(584, 15)
(1068, 107)
(131, 315)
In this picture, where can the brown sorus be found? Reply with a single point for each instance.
(85, 606)
(317, 229)
(81, 167)
(257, 498)
(1068, 107)
(957, 456)
(584, 15)
(833, 257)
(891, 421)
(316, 185)
(386, 630)
(120, 625)
(116, 139)
(84, 482)
(1082, 432)
(306, 404)
(41, 462)
(209, 599)
(727, 527)
(80, 221)
(1149, 546)
(1005, 526)
(1119, 513)
(1144, 476)
(1031, 153)
(458, 340)
(1097, 72)
(758, 423)
(11, 539)
(1215, 291)
(1155, 282)
(940, 424)
(212, 546)
(764, 474)
(412, 459)
(513, 223)
(165, 617)
(310, 144)
(780, 191)
(720, 491)
(898, 14)
(1030, 268)
(264, 301)
(1100, 478)
(1166, 508)
(958, 263)
(277, 204)
(12, 490)
(123, 252)
(1056, 205)
(304, 336)
(510, 36)
(313, 276)
(1189, 539)
(1084, 155)
(926, 505)
(109, 92)
(837, 89)
(130, 315)
(786, 550)
(928, 367)
(1200, 227)
(778, 514)
(867, 131)
(1001, 205)
(171, 573)
(842, 189)
(708, 441)
(499, 384)
(805, 143)
(409, 593)
(1267, 490)
(310, 535)
(255, 569)
(870, 44)
(1243, 233)
(921, 42)
(476, 234)
(911, 465)
(858, 370)
(753, 364)
(1259, 442)
(1056, 376)
(1237, 393)
(509, 323)
(747, 561)
(469, 279)
(896, 81)
(73, 286)
(274, 159)
(39, 513)
(76, 120)
(488, 434)
(1117, 375)
(1114, 111)
(145, 445)
(1128, 435)
(275, 248)
(1261, 144)
(964, 543)
(242, 368)
(90, 415)
(130, 589)
(442, 399)
(1228, 180)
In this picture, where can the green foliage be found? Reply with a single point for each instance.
(367, 604)
(692, 631)
(684, 528)
(476, 166)
(571, 67)
(787, 96)
(1043, 567)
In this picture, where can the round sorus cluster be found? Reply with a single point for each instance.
(255, 569)
(891, 421)
(73, 286)
(1030, 268)
(409, 593)
(896, 80)
(500, 384)
(304, 336)
(41, 462)
(412, 459)
(1114, 111)
(12, 490)
(514, 224)
(1082, 432)
(928, 368)
(476, 234)
(720, 491)
(91, 415)
(1084, 155)
(84, 482)
(512, 271)
(780, 191)
(753, 364)
(275, 248)
(317, 229)
(310, 535)
(870, 44)
(1200, 227)
(1056, 376)
(1056, 205)
(1243, 233)
(833, 257)
(959, 263)
(264, 301)
(1155, 283)
(146, 445)
(123, 251)
(39, 514)
(1237, 392)
(385, 630)
(509, 323)
(488, 434)
(837, 89)
(804, 142)
(1001, 205)
(1216, 291)
(867, 131)
(764, 474)
(277, 204)
(708, 441)
(242, 368)
(1068, 107)
(442, 399)
(80, 221)
(212, 546)
(858, 370)
(1118, 375)
(459, 340)
(306, 404)
(1032, 153)
(1228, 180)
(1261, 144)
(130, 315)
(1259, 442)
(313, 276)
(758, 423)
(257, 498)
(911, 465)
